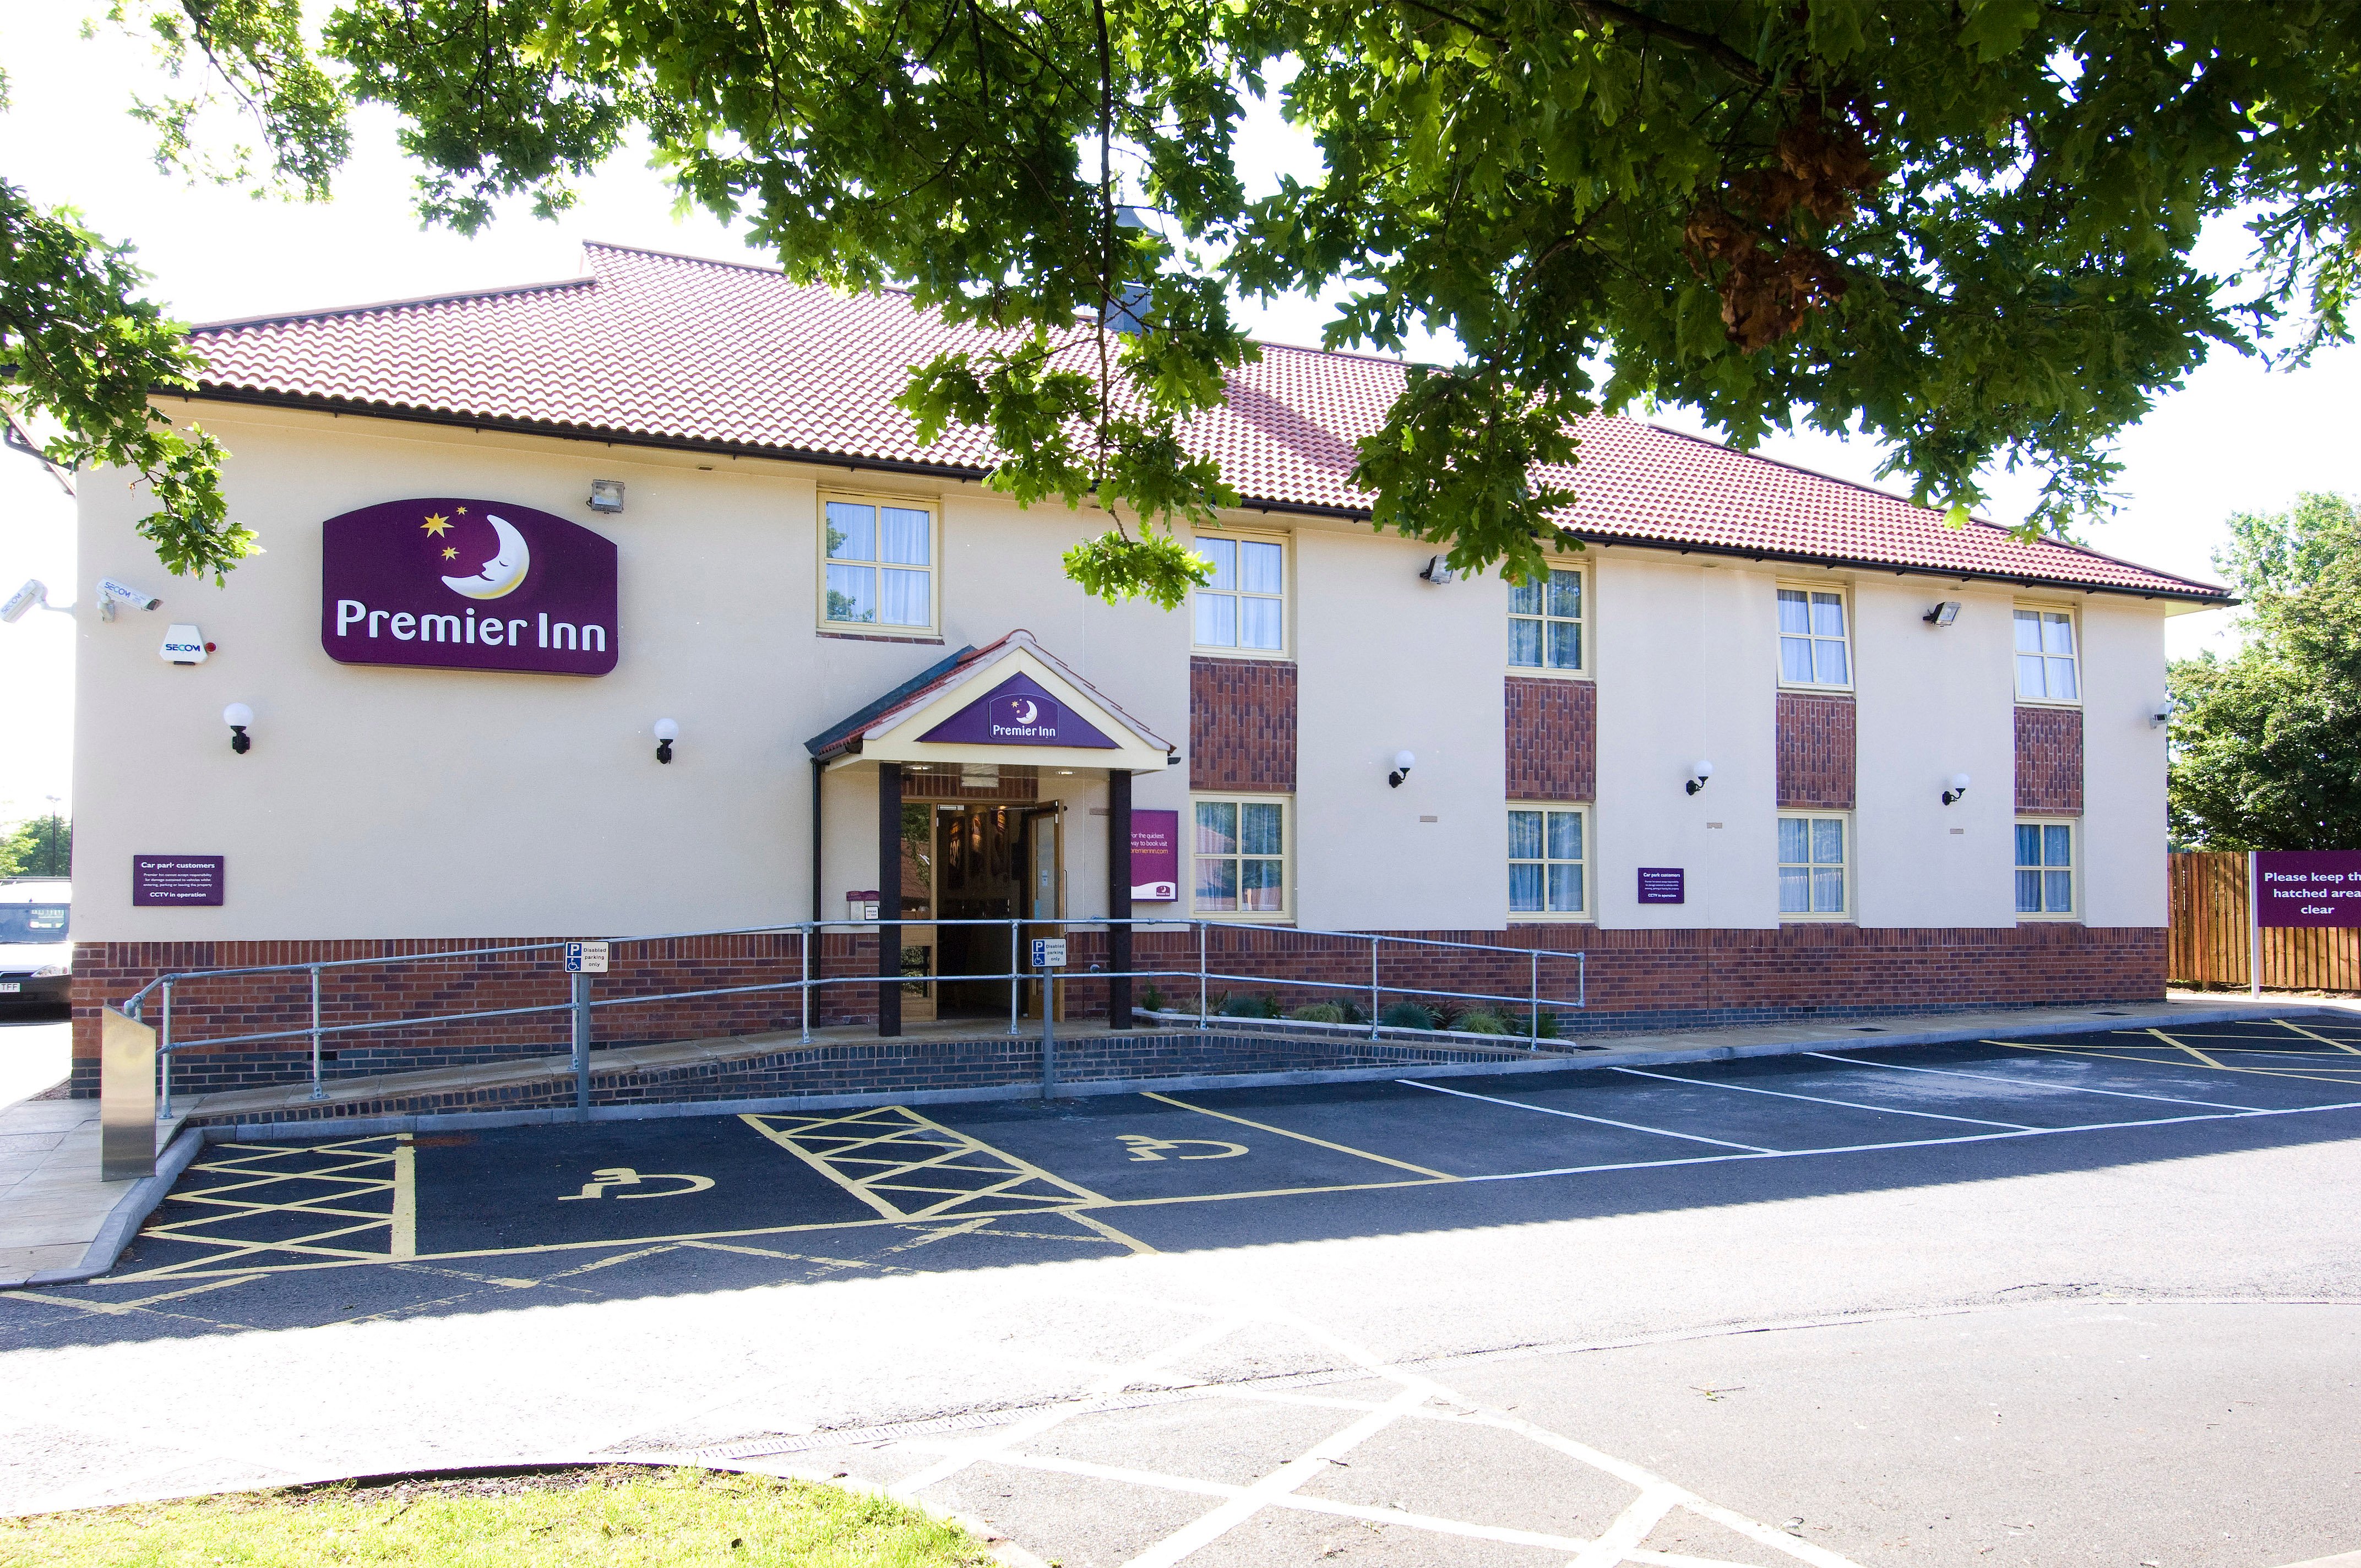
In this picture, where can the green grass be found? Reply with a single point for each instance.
(620, 1518)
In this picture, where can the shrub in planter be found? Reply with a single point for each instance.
(1318, 1013)
(1476, 1021)
(1407, 1016)
(1354, 1012)
(1246, 1007)
(1152, 999)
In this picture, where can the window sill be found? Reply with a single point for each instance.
(918, 635)
(1533, 671)
(1261, 655)
(2070, 919)
(1232, 917)
(2075, 702)
(1820, 690)
(1817, 920)
(1532, 917)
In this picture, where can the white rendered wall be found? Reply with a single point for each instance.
(383, 802)
(1687, 671)
(1930, 702)
(1387, 663)
(2123, 840)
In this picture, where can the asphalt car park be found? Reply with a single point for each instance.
(329, 1226)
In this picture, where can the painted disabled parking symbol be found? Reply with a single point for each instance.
(624, 1176)
(1145, 1147)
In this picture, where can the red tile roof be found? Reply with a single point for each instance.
(675, 351)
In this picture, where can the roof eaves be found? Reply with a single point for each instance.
(840, 736)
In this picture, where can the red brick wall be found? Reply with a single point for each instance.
(2050, 760)
(1636, 979)
(1242, 725)
(1553, 738)
(1815, 750)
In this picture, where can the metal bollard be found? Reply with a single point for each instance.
(1049, 1034)
(581, 1047)
(317, 1093)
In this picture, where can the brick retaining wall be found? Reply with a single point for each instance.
(1638, 979)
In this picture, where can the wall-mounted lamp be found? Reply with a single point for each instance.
(1437, 570)
(1700, 772)
(1403, 763)
(606, 495)
(1958, 787)
(2161, 713)
(667, 732)
(1942, 614)
(237, 715)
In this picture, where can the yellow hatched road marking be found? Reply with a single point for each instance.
(853, 1152)
(1302, 1137)
(2151, 1061)
(2323, 1039)
(2192, 1050)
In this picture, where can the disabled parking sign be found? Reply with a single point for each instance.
(586, 958)
(1049, 952)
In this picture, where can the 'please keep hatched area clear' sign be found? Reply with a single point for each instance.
(2314, 888)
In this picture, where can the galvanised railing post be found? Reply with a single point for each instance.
(164, 1106)
(1015, 985)
(803, 948)
(1202, 924)
(317, 1093)
(1582, 979)
(1533, 1018)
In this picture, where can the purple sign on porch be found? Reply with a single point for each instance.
(159, 881)
(1663, 885)
(458, 584)
(2314, 887)
(1155, 857)
(1018, 712)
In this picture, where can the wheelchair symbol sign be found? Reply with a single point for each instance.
(1142, 1146)
(624, 1176)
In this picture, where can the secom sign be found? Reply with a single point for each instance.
(458, 583)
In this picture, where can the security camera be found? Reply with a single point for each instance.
(112, 593)
(34, 593)
(2160, 714)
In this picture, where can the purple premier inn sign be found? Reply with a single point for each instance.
(2317, 887)
(1018, 712)
(457, 584)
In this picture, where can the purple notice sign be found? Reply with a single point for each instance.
(1155, 857)
(2317, 887)
(1018, 712)
(456, 583)
(157, 881)
(1663, 885)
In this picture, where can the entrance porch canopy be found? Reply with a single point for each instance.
(1007, 704)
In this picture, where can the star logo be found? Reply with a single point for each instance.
(461, 511)
(436, 526)
(449, 553)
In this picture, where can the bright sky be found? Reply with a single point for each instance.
(2236, 438)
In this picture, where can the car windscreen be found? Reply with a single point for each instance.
(32, 922)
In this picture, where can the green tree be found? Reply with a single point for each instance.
(41, 847)
(1963, 226)
(2267, 744)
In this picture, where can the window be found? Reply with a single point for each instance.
(1241, 857)
(1815, 649)
(1244, 604)
(1545, 622)
(1547, 859)
(2044, 657)
(1812, 866)
(880, 567)
(2044, 868)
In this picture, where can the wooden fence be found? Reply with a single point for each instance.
(2207, 943)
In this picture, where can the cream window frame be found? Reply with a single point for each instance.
(1843, 594)
(1286, 857)
(2074, 852)
(1587, 865)
(933, 565)
(2073, 619)
(1848, 867)
(1582, 623)
(1284, 598)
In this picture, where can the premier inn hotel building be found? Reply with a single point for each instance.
(1769, 746)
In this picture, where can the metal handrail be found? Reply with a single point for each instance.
(805, 931)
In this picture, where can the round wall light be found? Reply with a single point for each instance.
(1699, 772)
(1403, 763)
(237, 715)
(667, 730)
(1958, 787)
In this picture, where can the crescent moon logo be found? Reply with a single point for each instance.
(503, 573)
(1032, 714)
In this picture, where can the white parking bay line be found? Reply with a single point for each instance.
(1579, 1116)
(2035, 1083)
(1822, 1100)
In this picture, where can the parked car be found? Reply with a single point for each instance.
(36, 956)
